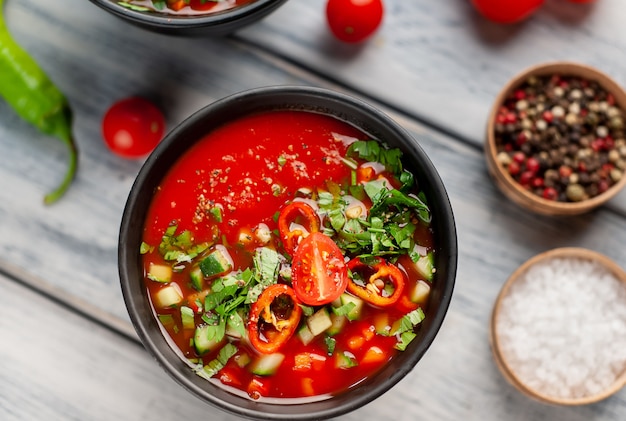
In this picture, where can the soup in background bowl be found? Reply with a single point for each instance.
(190, 18)
(288, 253)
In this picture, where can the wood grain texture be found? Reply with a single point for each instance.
(433, 62)
(441, 62)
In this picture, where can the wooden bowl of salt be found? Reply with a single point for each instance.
(558, 327)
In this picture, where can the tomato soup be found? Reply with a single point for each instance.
(185, 7)
(288, 255)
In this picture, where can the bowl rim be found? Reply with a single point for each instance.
(505, 181)
(505, 368)
(243, 14)
(340, 106)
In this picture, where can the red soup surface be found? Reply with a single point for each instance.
(288, 255)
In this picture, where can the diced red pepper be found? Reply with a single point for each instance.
(176, 4)
(258, 387)
(273, 318)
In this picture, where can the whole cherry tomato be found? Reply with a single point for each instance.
(132, 127)
(354, 20)
(507, 11)
(319, 273)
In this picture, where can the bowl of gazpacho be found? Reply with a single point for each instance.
(288, 253)
(190, 17)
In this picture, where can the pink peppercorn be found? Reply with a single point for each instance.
(547, 116)
(549, 193)
(565, 171)
(533, 165)
(519, 157)
(525, 178)
(514, 168)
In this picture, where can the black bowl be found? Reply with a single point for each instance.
(217, 23)
(355, 112)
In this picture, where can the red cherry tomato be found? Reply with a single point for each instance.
(319, 273)
(133, 127)
(354, 20)
(507, 11)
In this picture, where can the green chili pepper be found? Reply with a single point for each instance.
(35, 98)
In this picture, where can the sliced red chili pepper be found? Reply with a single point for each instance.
(375, 277)
(273, 318)
(302, 217)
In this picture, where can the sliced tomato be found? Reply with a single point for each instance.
(319, 272)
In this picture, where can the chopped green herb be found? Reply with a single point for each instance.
(344, 309)
(145, 248)
(216, 213)
(330, 345)
(404, 341)
(371, 150)
(214, 366)
(307, 310)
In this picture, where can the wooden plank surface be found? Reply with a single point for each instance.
(442, 63)
(83, 363)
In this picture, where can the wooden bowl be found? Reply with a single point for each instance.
(507, 184)
(504, 359)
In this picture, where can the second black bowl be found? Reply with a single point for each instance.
(216, 23)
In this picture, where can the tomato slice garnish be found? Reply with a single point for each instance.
(319, 272)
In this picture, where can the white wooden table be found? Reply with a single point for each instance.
(67, 349)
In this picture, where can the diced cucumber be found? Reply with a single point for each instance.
(266, 365)
(197, 277)
(201, 340)
(319, 321)
(338, 322)
(160, 273)
(345, 360)
(355, 313)
(305, 335)
(168, 296)
(426, 266)
(242, 360)
(235, 325)
(381, 324)
(187, 317)
(217, 262)
(420, 292)
(396, 326)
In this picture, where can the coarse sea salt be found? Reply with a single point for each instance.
(561, 328)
